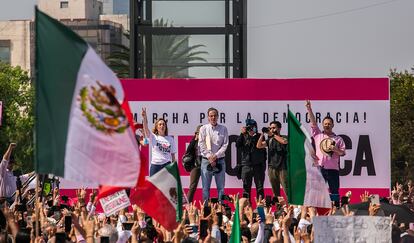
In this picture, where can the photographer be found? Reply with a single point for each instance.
(253, 159)
(277, 156)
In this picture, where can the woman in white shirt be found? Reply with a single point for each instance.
(163, 148)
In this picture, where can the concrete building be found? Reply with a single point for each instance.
(82, 16)
(16, 43)
(71, 9)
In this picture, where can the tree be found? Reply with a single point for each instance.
(170, 55)
(402, 125)
(17, 95)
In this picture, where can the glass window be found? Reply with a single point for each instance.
(190, 13)
(185, 56)
(64, 4)
(5, 51)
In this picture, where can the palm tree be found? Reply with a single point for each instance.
(170, 55)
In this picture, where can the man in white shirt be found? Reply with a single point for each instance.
(7, 179)
(213, 141)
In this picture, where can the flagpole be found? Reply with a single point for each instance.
(289, 190)
(37, 206)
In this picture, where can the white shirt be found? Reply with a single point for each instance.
(8, 180)
(162, 148)
(213, 140)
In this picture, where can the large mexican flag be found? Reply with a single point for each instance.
(306, 186)
(83, 130)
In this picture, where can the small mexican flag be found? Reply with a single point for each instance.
(83, 130)
(161, 195)
(306, 186)
(235, 229)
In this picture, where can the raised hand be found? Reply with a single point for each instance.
(277, 236)
(365, 197)
(296, 233)
(346, 211)
(144, 112)
(373, 209)
(308, 105)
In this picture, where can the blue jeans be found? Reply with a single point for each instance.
(207, 176)
(332, 177)
(155, 168)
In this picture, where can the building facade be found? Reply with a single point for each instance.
(16, 43)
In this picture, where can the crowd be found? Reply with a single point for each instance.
(51, 218)
(56, 221)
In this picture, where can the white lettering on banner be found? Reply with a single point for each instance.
(342, 229)
(115, 202)
(363, 125)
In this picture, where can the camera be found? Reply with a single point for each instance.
(265, 130)
(251, 125)
(17, 173)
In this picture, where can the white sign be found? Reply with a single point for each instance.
(115, 202)
(360, 109)
(341, 229)
(359, 122)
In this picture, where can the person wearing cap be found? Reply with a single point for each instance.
(213, 141)
(253, 160)
(329, 148)
(194, 167)
(276, 156)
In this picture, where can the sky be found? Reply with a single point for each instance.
(318, 38)
(329, 38)
(16, 9)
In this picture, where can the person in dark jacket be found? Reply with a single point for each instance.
(252, 164)
(277, 157)
(194, 168)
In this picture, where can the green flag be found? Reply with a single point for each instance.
(306, 185)
(235, 230)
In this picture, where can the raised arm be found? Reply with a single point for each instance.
(145, 122)
(9, 151)
(310, 112)
(261, 143)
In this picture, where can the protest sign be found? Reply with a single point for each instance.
(115, 202)
(368, 229)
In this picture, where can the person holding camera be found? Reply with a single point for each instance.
(212, 142)
(329, 147)
(192, 162)
(277, 156)
(8, 180)
(253, 160)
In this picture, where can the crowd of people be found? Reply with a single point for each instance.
(51, 218)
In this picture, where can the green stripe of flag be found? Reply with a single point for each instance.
(235, 236)
(59, 52)
(173, 170)
(296, 161)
